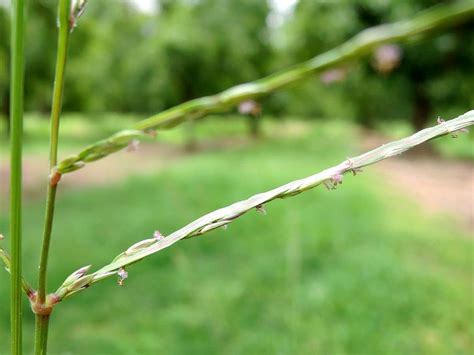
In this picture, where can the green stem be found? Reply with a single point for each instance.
(41, 334)
(16, 95)
(42, 321)
(48, 227)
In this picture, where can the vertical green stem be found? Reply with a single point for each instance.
(16, 133)
(42, 321)
(41, 336)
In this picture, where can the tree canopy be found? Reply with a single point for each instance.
(129, 61)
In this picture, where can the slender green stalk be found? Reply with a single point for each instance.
(42, 320)
(362, 44)
(41, 334)
(330, 177)
(16, 95)
(48, 227)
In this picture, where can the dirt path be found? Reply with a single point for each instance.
(446, 187)
(149, 158)
(113, 169)
(437, 184)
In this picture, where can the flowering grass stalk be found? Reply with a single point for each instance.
(43, 303)
(40, 305)
(331, 177)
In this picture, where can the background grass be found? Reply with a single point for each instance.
(78, 130)
(358, 270)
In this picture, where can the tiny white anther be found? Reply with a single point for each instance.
(122, 274)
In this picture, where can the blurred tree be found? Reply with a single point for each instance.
(147, 62)
(4, 66)
(40, 45)
(223, 43)
(427, 78)
(40, 52)
(105, 58)
(125, 60)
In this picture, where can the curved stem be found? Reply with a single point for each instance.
(16, 95)
(42, 321)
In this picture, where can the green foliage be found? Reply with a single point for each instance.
(4, 61)
(328, 271)
(41, 34)
(147, 63)
(124, 60)
(127, 61)
(432, 78)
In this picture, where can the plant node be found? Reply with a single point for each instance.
(54, 178)
(43, 308)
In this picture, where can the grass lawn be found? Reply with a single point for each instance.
(79, 130)
(358, 270)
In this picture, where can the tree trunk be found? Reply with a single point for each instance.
(254, 126)
(5, 112)
(421, 110)
(190, 140)
(420, 117)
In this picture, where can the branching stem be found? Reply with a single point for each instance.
(42, 321)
